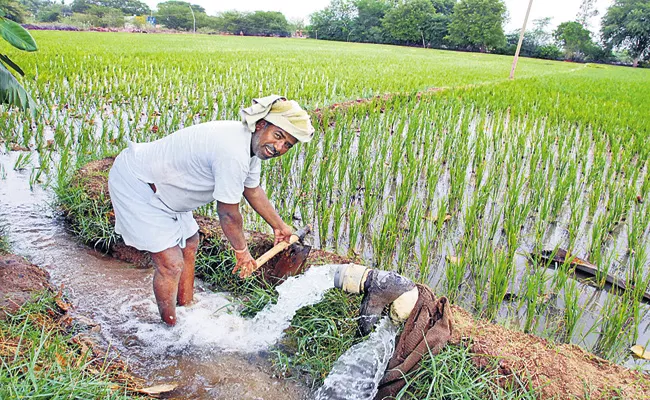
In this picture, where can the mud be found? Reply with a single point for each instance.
(19, 281)
(556, 370)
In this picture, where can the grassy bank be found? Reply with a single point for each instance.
(39, 359)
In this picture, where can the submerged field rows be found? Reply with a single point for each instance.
(454, 188)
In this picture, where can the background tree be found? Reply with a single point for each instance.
(334, 22)
(586, 12)
(478, 24)
(231, 21)
(127, 7)
(177, 15)
(52, 12)
(411, 21)
(13, 10)
(296, 24)
(368, 23)
(573, 38)
(626, 25)
(267, 23)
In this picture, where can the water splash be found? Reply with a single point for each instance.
(356, 374)
(212, 324)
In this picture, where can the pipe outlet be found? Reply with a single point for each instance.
(380, 289)
(401, 308)
(351, 278)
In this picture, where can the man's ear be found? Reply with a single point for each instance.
(261, 124)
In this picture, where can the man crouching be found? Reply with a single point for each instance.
(155, 186)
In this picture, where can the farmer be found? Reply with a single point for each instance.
(155, 186)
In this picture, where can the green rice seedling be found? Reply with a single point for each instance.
(615, 326)
(479, 263)
(534, 291)
(354, 226)
(22, 161)
(638, 280)
(502, 267)
(572, 310)
(338, 219)
(455, 274)
(426, 246)
(405, 256)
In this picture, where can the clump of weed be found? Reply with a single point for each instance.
(90, 212)
(38, 359)
(318, 335)
(451, 374)
(214, 265)
(4, 243)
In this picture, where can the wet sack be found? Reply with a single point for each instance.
(428, 329)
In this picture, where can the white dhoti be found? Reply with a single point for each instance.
(141, 218)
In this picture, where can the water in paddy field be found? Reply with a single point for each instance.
(211, 354)
(356, 374)
(207, 325)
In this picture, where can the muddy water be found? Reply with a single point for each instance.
(120, 299)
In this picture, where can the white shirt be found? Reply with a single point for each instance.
(196, 165)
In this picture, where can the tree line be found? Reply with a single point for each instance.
(477, 25)
(468, 25)
(178, 15)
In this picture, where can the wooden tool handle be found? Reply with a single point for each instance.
(264, 258)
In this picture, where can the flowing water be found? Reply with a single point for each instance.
(356, 374)
(212, 353)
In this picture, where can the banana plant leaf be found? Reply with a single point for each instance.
(16, 35)
(13, 93)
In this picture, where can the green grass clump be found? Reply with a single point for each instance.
(89, 211)
(451, 374)
(318, 335)
(38, 360)
(214, 265)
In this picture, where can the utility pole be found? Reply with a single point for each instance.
(195, 18)
(521, 40)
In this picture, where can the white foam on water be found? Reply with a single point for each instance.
(211, 323)
(356, 374)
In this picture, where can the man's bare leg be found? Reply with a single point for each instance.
(186, 283)
(169, 266)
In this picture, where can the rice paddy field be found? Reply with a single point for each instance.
(448, 173)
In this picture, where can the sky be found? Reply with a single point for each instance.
(559, 10)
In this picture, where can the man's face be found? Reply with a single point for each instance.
(270, 141)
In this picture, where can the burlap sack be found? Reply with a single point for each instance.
(428, 329)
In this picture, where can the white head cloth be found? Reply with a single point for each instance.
(283, 113)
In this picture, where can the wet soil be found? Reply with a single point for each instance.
(556, 370)
(19, 280)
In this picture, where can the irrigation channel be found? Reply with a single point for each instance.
(212, 352)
